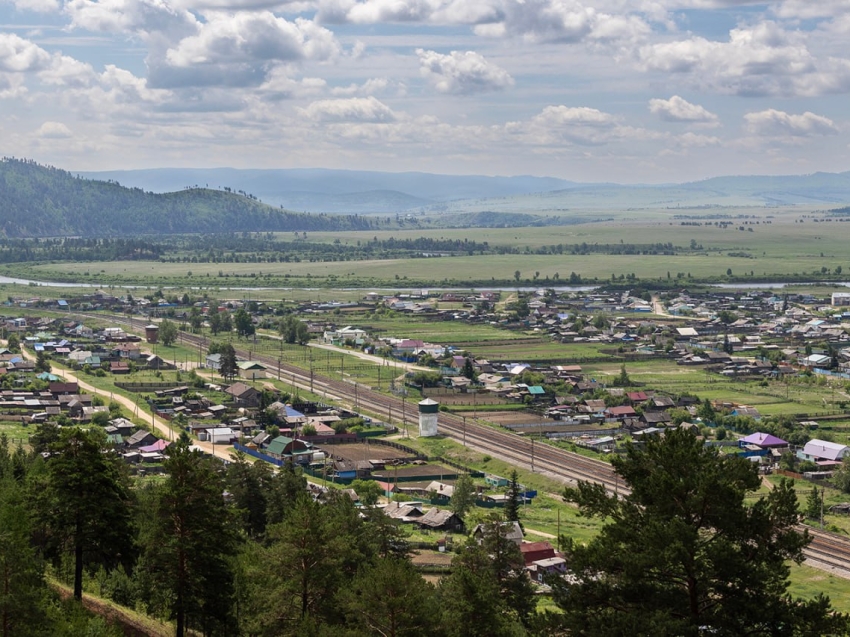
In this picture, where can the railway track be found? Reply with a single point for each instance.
(827, 550)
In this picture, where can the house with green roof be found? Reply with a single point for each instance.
(284, 448)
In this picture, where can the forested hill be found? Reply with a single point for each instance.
(40, 201)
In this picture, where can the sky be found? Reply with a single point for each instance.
(628, 91)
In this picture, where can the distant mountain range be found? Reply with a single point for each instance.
(40, 201)
(336, 191)
(365, 192)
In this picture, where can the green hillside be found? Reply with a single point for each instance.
(40, 201)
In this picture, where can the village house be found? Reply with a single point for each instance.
(243, 395)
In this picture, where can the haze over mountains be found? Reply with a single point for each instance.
(364, 192)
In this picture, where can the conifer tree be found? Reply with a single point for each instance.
(88, 503)
(684, 554)
(185, 566)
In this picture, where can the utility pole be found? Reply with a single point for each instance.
(532, 454)
(464, 430)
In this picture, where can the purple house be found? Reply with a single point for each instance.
(763, 440)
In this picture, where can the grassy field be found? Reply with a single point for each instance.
(782, 242)
(446, 270)
(16, 432)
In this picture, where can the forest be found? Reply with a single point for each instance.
(41, 201)
(241, 549)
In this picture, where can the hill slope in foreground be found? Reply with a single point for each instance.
(40, 201)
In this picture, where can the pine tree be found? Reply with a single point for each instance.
(22, 585)
(88, 501)
(228, 367)
(390, 598)
(311, 555)
(814, 504)
(463, 496)
(488, 593)
(514, 499)
(244, 323)
(248, 484)
(468, 370)
(185, 566)
(684, 554)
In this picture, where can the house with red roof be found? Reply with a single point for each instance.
(533, 551)
(623, 411)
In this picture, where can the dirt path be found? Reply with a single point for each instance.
(162, 426)
(131, 626)
(658, 308)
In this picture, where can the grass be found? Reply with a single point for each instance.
(16, 432)
(544, 512)
(781, 247)
(808, 582)
(130, 619)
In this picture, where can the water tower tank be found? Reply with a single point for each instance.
(428, 410)
(151, 333)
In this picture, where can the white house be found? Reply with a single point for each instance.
(221, 435)
(823, 451)
(340, 336)
(840, 298)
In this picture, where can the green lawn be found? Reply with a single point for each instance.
(16, 432)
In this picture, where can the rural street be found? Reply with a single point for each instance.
(222, 451)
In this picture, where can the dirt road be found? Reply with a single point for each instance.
(162, 426)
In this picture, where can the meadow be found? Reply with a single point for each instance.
(763, 243)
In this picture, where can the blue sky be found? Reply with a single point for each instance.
(590, 90)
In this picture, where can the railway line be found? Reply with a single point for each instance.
(827, 551)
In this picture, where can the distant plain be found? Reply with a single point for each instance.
(755, 243)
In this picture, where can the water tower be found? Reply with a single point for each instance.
(151, 333)
(428, 410)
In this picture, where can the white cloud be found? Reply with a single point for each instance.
(774, 123)
(241, 50)
(432, 11)
(144, 17)
(764, 59)
(582, 126)
(54, 130)
(564, 21)
(809, 9)
(67, 71)
(354, 109)
(280, 86)
(462, 72)
(18, 55)
(369, 87)
(11, 85)
(575, 116)
(247, 37)
(677, 109)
